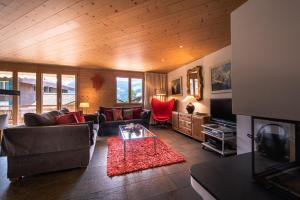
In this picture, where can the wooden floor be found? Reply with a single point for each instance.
(169, 182)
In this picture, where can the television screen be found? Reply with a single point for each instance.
(221, 110)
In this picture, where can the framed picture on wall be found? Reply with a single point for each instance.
(221, 78)
(176, 86)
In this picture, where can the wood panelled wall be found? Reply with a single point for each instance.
(105, 96)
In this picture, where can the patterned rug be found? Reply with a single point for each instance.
(140, 155)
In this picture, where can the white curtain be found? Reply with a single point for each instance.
(154, 81)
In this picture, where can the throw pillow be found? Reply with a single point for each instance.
(45, 119)
(127, 114)
(136, 112)
(64, 110)
(109, 115)
(117, 114)
(79, 116)
(68, 118)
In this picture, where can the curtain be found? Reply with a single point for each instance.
(154, 81)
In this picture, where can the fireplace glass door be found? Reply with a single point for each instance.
(275, 155)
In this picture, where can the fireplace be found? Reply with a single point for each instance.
(276, 155)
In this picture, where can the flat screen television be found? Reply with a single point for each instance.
(221, 111)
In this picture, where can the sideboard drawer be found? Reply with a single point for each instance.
(190, 125)
(187, 117)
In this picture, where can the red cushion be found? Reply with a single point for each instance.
(68, 118)
(79, 116)
(109, 115)
(136, 113)
(117, 114)
(127, 114)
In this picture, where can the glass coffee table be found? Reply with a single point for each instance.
(139, 132)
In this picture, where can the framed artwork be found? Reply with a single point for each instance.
(176, 86)
(221, 78)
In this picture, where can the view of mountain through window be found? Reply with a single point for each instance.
(122, 90)
(132, 85)
(136, 90)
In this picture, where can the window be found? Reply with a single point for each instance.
(136, 90)
(27, 99)
(129, 90)
(122, 90)
(68, 92)
(49, 84)
(6, 101)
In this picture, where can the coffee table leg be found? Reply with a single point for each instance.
(124, 149)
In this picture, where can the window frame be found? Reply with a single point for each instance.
(38, 89)
(19, 97)
(48, 89)
(129, 90)
(61, 91)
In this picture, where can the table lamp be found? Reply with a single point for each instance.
(84, 106)
(161, 93)
(189, 107)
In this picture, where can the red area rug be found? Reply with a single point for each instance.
(140, 155)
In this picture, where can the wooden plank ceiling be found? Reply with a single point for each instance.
(139, 35)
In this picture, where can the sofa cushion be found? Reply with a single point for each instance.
(137, 113)
(64, 110)
(68, 118)
(109, 115)
(117, 113)
(79, 116)
(135, 121)
(45, 119)
(114, 123)
(127, 114)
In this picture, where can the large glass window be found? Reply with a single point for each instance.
(68, 92)
(122, 90)
(136, 90)
(27, 99)
(6, 101)
(129, 90)
(49, 85)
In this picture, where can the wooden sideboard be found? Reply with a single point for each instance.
(189, 124)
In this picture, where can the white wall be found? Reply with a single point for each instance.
(265, 39)
(217, 58)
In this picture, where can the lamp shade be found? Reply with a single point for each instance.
(160, 92)
(189, 99)
(84, 105)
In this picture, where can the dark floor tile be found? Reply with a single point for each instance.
(118, 193)
(148, 188)
(184, 193)
(180, 179)
(93, 183)
(163, 196)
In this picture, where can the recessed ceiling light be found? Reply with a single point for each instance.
(180, 46)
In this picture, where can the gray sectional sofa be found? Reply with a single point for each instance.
(38, 149)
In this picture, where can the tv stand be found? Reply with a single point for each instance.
(220, 138)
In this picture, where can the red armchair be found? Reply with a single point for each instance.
(162, 111)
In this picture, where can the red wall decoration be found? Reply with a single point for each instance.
(97, 81)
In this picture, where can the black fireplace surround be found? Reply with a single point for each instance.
(276, 155)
